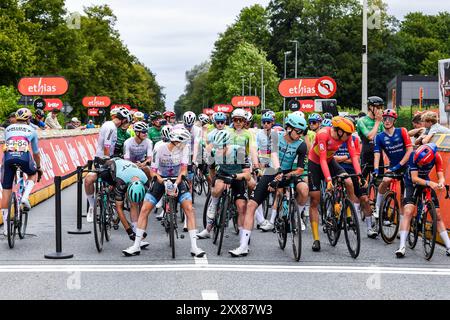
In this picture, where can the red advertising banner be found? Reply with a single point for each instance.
(114, 106)
(51, 104)
(97, 102)
(245, 101)
(298, 88)
(208, 111)
(43, 86)
(226, 108)
(93, 112)
(307, 105)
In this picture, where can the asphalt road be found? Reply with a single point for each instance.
(266, 273)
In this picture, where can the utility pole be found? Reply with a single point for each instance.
(364, 59)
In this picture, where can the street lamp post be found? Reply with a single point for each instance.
(250, 83)
(262, 86)
(364, 59)
(243, 81)
(296, 45)
(284, 99)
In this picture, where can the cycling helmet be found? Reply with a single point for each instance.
(204, 119)
(40, 113)
(124, 114)
(315, 117)
(425, 154)
(267, 117)
(114, 112)
(139, 116)
(390, 113)
(23, 114)
(327, 115)
(375, 101)
(249, 116)
(326, 123)
(239, 113)
(180, 135)
(271, 112)
(155, 115)
(140, 127)
(165, 132)
(189, 118)
(296, 121)
(136, 191)
(169, 114)
(343, 124)
(221, 139)
(300, 113)
(219, 116)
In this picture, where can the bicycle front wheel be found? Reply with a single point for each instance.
(10, 222)
(205, 210)
(281, 225)
(429, 229)
(332, 226)
(413, 234)
(172, 226)
(223, 221)
(389, 217)
(99, 232)
(23, 221)
(296, 230)
(351, 229)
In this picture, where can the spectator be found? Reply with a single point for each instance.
(38, 120)
(418, 130)
(90, 125)
(11, 119)
(73, 124)
(52, 120)
(430, 121)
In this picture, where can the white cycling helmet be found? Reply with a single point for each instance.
(124, 114)
(239, 113)
(249, 116)
(221, 139)
(138, 115)
(300, 113)
(140, 126)
(204, 119)
(189, 118)
(165, 132)
(180, 135)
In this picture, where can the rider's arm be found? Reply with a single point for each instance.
(377, 152)
(154, 167)
(35, 149)
(408, 145)
(126, 150)
(322, 138)
(302, 151)
(354, 155)
(149, 151)
(253, 151)
(184, 165)
(370, 134)
(107, 143)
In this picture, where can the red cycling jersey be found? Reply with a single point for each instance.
(325, 147)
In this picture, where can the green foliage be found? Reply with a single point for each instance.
(8, 101)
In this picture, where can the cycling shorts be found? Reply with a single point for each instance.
(315, 174)
(238, 187)
(414, 193)
(261, 193)
(11, 161)
(157, 190)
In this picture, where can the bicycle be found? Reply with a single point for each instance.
(425, 222)
(288, 218)
(341, 214)
(200, 183)
(389, 215)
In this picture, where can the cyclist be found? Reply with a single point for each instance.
(139, 149)
(38, 122)
(195, 134)
(228, 162)
(122, 135)
(165, 135)
(420, 165)
(322, 166)
(154, 134)
(326, 123)
(171, 160)
(20, 150)
(314, 121)
(107, 138)
(396, 144)
(170, 117)
(328, 116)
(219, 120)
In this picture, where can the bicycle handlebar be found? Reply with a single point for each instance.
(391, 175)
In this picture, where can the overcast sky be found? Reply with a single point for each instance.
(171, 36)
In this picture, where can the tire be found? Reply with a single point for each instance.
(197, 184)
(322, 207)
(223, 221)
(413, 234)
(217, 222)
(372, 191)
(99, 233)
(389, 217)
(234, 216)
(205, 210)
(296, 230)
(280, 224)
(332, 226)
(108, 220)
(429, 229)
(172, 227)
(13, 209)
(23, 221)
(351, 229)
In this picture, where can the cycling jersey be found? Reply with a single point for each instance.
(122, 136)
(423, 171)
(154, 134)
(343, 151)
(394, 146)
(324, 148)
(243, 139)
(230, 163)
(169, 163)
(212, 134)
(288, 152)
(125, 170)
(265, 142)
(130, 131)
(137, 152)
(37, 124)
(363, 127)
(107, 138)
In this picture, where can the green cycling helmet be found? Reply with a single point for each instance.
(136, 191)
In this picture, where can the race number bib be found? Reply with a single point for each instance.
(16, 145)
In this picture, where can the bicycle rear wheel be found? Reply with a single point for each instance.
(332, 226)
(234, 215)
(197, 183)
(281, 225)
(205, 210)
(223, 221)
(99, 232)
(217, 219)
(172, 227)
(389, 217)
(351, 229)
(372, 191)
(108, 220)
(429, 229)
(296, 230)
(413, 234)
(23, 221)
(10, 222)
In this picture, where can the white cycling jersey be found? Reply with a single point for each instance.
(168, 163)
(107, 138)
(135, 152)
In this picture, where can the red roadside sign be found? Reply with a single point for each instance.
(98, 102)
(93, 112)
(114, 106)
(245, 101)
(326, 87)
(43, 86)
(208, 111)
(307, 105)
(291, 88)
(52, 104)
(226, 108)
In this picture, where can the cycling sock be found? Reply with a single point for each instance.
(91, 200)
(315, 230)
(403, 235)
(5, 216)
(214, 200)
(358, 209)
(193, 236)
(272, 217)
(134, 226)
(259, 215)
(245, 238)
(300, 209)
(379, 199)
(444, 237)
(369, 222)
(28, 187)
(139, 236)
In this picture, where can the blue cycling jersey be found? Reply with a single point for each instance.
(125, 170)
(20, 137)
(343, 151)
(394, 146)
(288, 152)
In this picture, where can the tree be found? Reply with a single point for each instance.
(8, 101)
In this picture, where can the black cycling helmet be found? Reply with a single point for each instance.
(155, 115)
(327, 115)
(40, 113)
(375, 101)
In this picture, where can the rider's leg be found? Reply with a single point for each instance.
(314, 213)
(405, 223)
(384, 185)
(89, 182)
(186, 203)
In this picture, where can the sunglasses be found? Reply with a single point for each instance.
(313, 122)
(390, 119)
(267, 122)
(238, 120)
(220, 122)
(141, 132)
(299, 132)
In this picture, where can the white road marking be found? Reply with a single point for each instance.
(220, 267)
(203, 260)
(210, 295)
